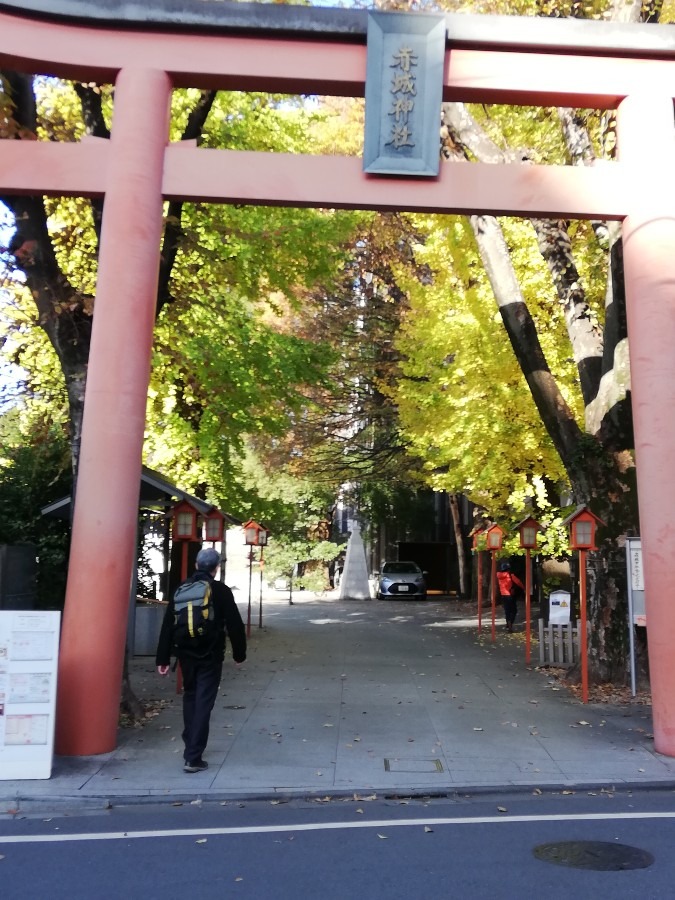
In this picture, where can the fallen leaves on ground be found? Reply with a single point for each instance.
(151, 710)
(610, 694)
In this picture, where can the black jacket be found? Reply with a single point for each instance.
(227, 616)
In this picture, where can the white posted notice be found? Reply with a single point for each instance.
(29, 652)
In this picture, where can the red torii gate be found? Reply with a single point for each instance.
(316, 51)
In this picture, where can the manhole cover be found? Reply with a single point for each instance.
(598, 855)
(418, 766)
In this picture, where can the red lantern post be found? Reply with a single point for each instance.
(477, 535)
(184, 530)
(254, 536)
(582, 524)
(528, 540)
(262, 539)
(494, 539)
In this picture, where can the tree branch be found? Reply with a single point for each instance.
(468, 138)
(95, 125)
(173, 230)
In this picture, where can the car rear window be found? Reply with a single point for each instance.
(400, 568)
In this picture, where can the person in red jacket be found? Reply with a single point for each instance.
(510, 587)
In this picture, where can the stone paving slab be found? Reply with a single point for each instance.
(353, 696)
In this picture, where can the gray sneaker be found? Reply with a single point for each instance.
(197, 765)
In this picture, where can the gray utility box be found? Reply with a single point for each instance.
(147, 626)
(18, 576)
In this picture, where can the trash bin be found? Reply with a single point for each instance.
(147, 626)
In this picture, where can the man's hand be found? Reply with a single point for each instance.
(163, 670)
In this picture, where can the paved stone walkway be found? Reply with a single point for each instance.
(344, 697)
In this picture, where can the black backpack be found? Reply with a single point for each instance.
(195, 631)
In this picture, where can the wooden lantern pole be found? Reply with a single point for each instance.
(493, 581)
(582, 626)
(480, 590)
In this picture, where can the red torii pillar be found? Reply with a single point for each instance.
(646, 142)
(90, 672)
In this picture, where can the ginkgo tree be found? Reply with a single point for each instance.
(463, 400)
(221, 366)
(531, 349)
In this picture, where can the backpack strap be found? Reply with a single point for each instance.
(191, 624)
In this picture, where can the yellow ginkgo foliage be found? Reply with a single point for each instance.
(464, 404)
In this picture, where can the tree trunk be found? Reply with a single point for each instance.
(130, 705)
(601, 473)
(453, 503)
(613, 497)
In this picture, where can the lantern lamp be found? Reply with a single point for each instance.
(494, 538)
(528, 533)
(254, 534)
(184, 522)
(214, 526)
(583, 524)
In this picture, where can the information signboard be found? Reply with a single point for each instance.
(560, 605)
(29, 651)
(637, 610)
(636, 593)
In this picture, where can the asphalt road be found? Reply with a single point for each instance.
(468, 847)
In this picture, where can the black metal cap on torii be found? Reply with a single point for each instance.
(568, 36)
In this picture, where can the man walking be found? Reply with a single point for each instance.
(202, 666)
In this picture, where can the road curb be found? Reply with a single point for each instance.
(22, 805)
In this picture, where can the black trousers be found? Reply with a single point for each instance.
(510, 609)
(201, 679)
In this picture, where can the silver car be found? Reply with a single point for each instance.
(399, 580)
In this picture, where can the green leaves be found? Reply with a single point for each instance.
(34, 471)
